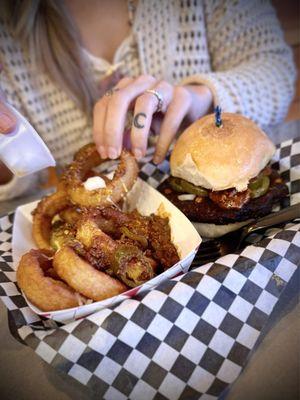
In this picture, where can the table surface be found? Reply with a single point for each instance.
(272, 371)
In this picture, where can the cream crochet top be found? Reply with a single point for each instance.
(234, 47)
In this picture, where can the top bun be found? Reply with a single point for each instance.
(221, 158)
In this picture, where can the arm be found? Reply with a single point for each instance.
(11, 186)
(7, 124)
(254, 73)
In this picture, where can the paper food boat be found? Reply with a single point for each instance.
(146, 200)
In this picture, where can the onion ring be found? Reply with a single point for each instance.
(46, 293)
(154, 229)
(62, 234)
(86, 159)
(127, 261)
(46, 209)
(70, 215)
(84, 278)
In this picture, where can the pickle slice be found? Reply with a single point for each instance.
(259, 186)
(62, 234)
(176, 185)
(183, 186)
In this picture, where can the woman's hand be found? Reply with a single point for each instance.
(180, 103)
(7, 125)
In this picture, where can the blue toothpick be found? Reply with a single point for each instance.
(218, 116)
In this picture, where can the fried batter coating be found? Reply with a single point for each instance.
(160, 240)
(98, 246)
(86, 159)
(62, 233)
(132, 266)
(70, 215)
(46, 209)
(43, 291)
(127, 261)
(84, 278)
(153, 229)
(100, 251)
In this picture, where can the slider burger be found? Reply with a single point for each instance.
(220, 177)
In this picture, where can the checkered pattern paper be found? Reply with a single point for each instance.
(188, 338)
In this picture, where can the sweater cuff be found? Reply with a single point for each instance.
(220, 92)
(18, 186)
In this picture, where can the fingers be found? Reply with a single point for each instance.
(99, 116)
(110, 115)
(99, 113)
(7, 119)
(174, 116)
(117, 108)
(145, 107)
(156, 124)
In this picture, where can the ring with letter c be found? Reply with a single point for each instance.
(160, 100)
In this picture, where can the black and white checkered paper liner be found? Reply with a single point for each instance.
(188, 338)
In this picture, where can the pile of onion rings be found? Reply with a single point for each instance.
(90, 250)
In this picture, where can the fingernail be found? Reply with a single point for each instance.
(7, 124)
(137, 153)
(102, 152)
(112, 153)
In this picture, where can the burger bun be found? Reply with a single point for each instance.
(224, 157)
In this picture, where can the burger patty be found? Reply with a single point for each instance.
(203, 209)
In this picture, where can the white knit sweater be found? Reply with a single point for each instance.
(234, 47)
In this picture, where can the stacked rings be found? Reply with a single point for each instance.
(110, 92)
(160, 100)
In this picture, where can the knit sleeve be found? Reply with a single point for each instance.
(253, 70)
